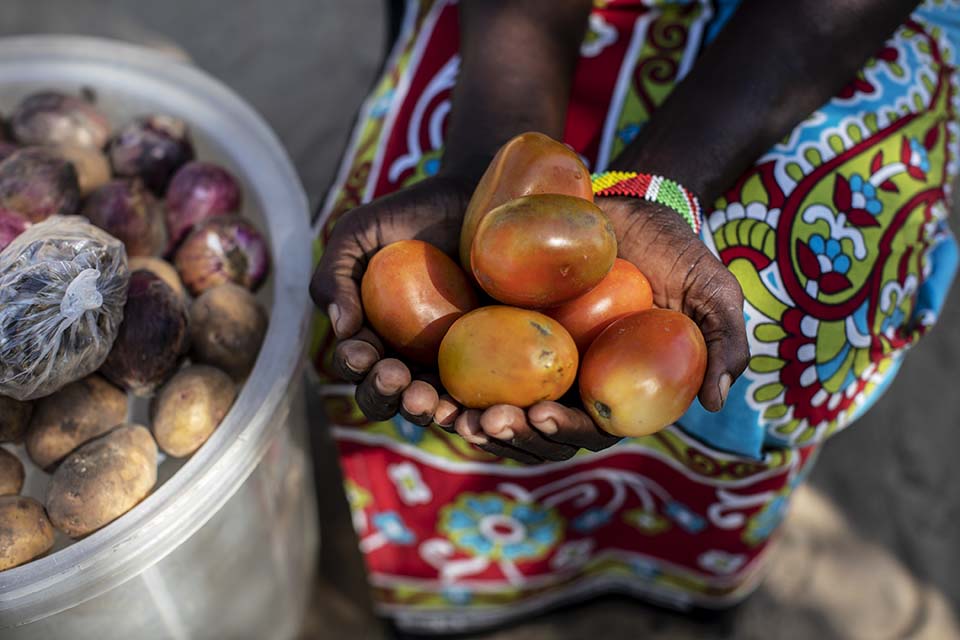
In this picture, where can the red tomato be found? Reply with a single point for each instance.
(527, 164)
(623, 291)
(541, 250)
(504, 355)
(412, 292)
(643, 372)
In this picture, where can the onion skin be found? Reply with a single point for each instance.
(197, 192)
(223, 249)
(153, 336)
(38, 183)
(126, 210)
(51, 117)
(7, 149)
(12, 224)
(151, 148)
(161, 268)
(93, 170)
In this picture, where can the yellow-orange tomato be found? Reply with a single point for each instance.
(539, 251)
(642, 372)
(623, 291)
(412, 292)
(527, 164)
(503, 355)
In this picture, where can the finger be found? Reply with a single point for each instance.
(335, 287)
(354, 357)
(418, 403)
(378, 395)
(446, 413)
(569, 425)
(509, 425)
(719, 315)
(468, 426)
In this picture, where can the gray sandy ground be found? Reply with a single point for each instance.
(872, 545)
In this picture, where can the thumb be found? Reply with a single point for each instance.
(335, 287)
(721, 321)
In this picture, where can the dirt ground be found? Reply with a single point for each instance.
(872, 545)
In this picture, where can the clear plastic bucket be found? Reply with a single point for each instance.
(226, 545)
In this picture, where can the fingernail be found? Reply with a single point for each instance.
(473, 434)
(505, 434)
(725, 381)
(382, 388)
(333, 311)
(548, 426)
(444, 421)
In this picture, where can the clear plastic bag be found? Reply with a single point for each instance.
(63, 284)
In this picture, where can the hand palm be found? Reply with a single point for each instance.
(683, 274)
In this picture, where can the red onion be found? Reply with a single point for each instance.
(223, 249)
(151, 148)
(38, 183)
(153, 336)
(12, 224)
(51, 117)
(198, 191)
(128, 212)
(7, 149)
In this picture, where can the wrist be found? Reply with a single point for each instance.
(683, 168)
(655, 189)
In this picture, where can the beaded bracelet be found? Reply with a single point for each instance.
(649, 187)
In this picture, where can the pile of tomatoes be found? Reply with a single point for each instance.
(534, 241)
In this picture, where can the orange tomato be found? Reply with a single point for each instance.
(527, 164)
(503, 355)
(623, 291)
(542, 250)
(642, 372)
(412, 292)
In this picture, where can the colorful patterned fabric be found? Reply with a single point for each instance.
(839, 239)
(650, 187)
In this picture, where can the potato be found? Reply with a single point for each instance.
(227, 326)
(11, 473)
(77, 413)
(25, 531)
(160, 268)
(189, 408)
(102, 480)
(14, 418)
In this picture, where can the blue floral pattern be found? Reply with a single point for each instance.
(492, 526)
(829, 254)
(393, 528)
(591, 520)
(864, 195)
(688, 520)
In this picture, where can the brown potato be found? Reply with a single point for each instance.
(160, 268)
(102, 480)
(25, 533)
(11, 473)
(77, 413)
(190, 407)
(91, 165)
(14, 419)
(227, 326)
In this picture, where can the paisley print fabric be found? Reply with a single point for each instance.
(838, 236)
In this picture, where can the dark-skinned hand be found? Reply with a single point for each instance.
(683, 274)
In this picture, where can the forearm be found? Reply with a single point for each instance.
(517, 65)
(771, 66)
